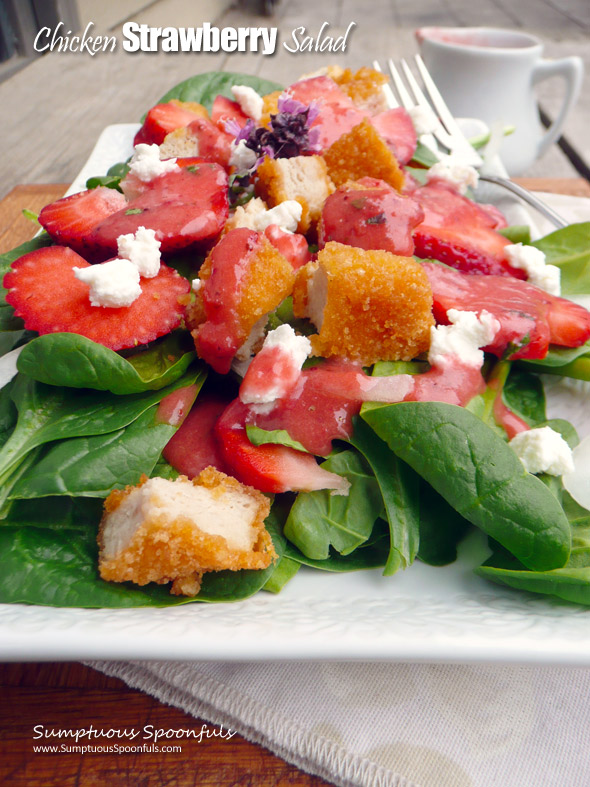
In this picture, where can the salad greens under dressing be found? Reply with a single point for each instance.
(80, 420)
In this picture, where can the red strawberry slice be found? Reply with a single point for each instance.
(225, 109)
(194, 446)
(397, 129)
(458, 232)
(132, 186)
(528, 316)
(70, 219)
(44, 291)
(185, 207)
(269, 468)
(292, 245)
(164, 118)
(213, 143)
(375, 217)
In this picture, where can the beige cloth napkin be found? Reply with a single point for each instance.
(368, 724)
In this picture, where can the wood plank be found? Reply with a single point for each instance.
(14, 227)
(72, 696)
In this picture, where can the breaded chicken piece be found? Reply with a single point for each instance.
(301, 178)
(362, 152)
(365, 87)
(241, 281)
(367, 305)
(270, 106)
(245, 215)
(174, 531)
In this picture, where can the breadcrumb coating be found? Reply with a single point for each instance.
(361, 153)
(146, 534)
(367, 305)
(270, 106)
(365, 87)
(301, 178)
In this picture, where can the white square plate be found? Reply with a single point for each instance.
(422, 614)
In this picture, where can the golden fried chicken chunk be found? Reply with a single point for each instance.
(367, 305)
(174, 531)
(241, 281)
(301, 178)
(360, 153)
(365, 87)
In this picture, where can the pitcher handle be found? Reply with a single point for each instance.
(571, 69)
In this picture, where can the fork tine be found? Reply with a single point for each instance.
(392, 101)
(440, 132)
(458, 139)
(405, 97)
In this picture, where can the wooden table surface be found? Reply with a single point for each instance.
(69, 695)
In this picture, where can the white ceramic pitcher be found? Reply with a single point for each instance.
(491, 74)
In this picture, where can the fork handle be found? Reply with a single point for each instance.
(527, 197)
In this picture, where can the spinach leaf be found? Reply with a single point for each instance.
(479, 475)
(424, 156)
(9, 340)
(258, 436)
(284, 571)
(441, 528)
(203, 88)
(47, 413)
(373, 555)
(399, 488)
(111, 180)
(318, 520)
(569, 249)
(523, 393)
(58, 566)
(54, 513)
(517, 233)
(67, 359)
(564, 361)
(8, 322)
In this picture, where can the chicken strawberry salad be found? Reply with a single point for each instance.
(284, 334)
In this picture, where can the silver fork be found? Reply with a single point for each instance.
(446, 133)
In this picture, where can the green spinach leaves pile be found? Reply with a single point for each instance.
(80, 420)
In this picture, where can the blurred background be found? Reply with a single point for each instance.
(57, 103)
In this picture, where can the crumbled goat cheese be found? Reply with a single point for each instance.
(142, 249)
(532, 261)
(286, 215)
(543, 451)
(424, 120)
(250, 102)
(196, 284)
(455, 172)
(146, 164)
(254, 340)
(463, 338)
(114, 283)
(298, 347)
(242, 157)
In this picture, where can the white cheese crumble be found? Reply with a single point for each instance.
(242, 157)
(296, 348)
(250, 102)
(146, 164)
(424, 119)
(142, 249)
(114, 283)
(463, 338)
(543, 450)
(532, 261)
(255, 216)
(196, 284)
(452, 170)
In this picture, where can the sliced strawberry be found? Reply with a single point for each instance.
(225, 109)
(530, 318)
(132, 186)
(70, 219)
(375, 217)
(292, 245)
(44, 291)
(194, 446)
(185, 208)
(269, 468)
(397, 129)
(213, 143)
(164, 118)
(175, 407)
(460, 233)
